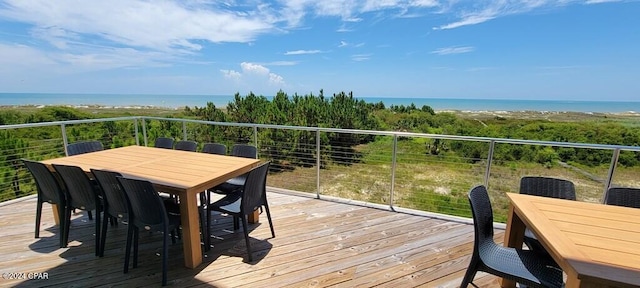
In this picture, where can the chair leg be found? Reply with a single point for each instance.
(98, 232)
(245, 226)
(136, 234)
(62, 210)
(202, 219)
(67, 225)
(266, 208)
(205, 220)
(172, 234)
(127, 252)
(165, 262)
(38, 216)
(471, 271)
(208, 211)
(103, 236)
(90, 215)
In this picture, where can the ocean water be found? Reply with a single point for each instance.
(438, 104)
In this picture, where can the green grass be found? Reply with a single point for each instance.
(435, 183)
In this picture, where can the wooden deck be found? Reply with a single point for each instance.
(318, 244)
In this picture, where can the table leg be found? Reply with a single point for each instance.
(513, 237)
(56, 218)
(254, 218)
(574, 282)
(190, 230)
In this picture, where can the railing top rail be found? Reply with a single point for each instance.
(67, 122)
(339, 130)
(410, 134)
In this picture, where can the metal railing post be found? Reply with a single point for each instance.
(255, 140)
(612, 169)
(318, 163)
(65, 141)
(184, 130)
(144, 130)
(487, 172)
(393, 170)
(135, 133)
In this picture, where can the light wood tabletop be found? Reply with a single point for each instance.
(177, 172)
(596, 245)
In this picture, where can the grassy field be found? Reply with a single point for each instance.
(438, 183)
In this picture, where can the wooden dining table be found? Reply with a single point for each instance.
(181, 173)
(596, 245)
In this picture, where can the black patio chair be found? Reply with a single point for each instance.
(82, 195)
(163, 142)
(523, 266)
(623, 196)
(114, 200)
(147, 212)
(241, 205)
(50, 191)
(545, 187)
(235, 184)
(186, 145)
(215, 148)
(231, 186)
(210, 148)
(84, 147)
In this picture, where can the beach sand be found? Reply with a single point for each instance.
(627, 117)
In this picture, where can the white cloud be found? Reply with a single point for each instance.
(344, 29)
(347, 44)
(453, 50)
(275, 79)
(83, 60)
(231, 74)
(601, 1)
(254, 75)
(27, 56)
(248, 67)
(159, 25)
(469, 20)
(483, 11)
(302, 52)
(361, 57)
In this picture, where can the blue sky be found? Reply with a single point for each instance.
(503, 49)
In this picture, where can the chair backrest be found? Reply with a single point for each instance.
(81, 193)
(623, 196)
(254, 191)
(115, 200)
(49, 189)
(482, 215)
(244, 150)
(186, 145)
(84, 147)
(146, 209)
(548, 187)
(163, 142)
(215, 148)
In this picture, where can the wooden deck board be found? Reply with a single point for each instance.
(318, 244)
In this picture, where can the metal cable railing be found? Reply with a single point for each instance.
(398, 169)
